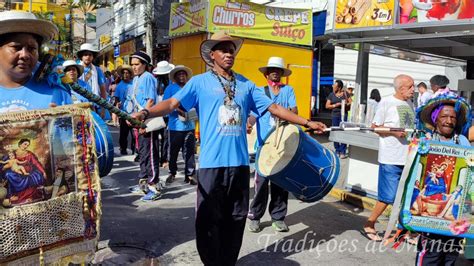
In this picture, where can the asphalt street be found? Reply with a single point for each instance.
(162, 232)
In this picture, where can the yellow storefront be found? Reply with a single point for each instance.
(271, 35)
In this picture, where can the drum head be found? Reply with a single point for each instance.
(276, 153)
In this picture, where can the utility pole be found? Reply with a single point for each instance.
(149, 15)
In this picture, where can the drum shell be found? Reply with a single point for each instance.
(104, 145)
(311, 173)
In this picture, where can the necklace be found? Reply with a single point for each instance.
(229, 88)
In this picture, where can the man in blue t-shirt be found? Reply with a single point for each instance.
(123, 93)
(283, 95)
(19, 51)
(223, 99)
(143, 96)
(181, 129)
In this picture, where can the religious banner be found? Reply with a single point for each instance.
(352, 14)
(439, 194)
(248, 20)
(187, 18)
(49, 186)
(421, 11)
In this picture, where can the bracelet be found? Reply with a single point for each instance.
(306, 125)
(146, 113)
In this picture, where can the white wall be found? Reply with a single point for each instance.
(383, 69)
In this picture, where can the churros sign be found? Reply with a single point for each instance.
(260, 22)
(364, 13)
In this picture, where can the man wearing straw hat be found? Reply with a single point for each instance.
(123, 93)
(161, 72)
(283, 95)
(92, 74)
(445, 116)
(180, 129)
(143, 97)
(223, 177)
(21, 36)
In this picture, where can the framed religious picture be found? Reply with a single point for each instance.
(438, 194)
(49, 186)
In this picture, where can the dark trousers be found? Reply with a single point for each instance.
(164, 145)
(186, 142)
(149, 157)
(278, 203)
(437, 250)
(222, 206)
(339, 147)
(125, 130)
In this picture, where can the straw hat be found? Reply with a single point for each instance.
(276, 62)
(462, 108)
(87, 47)
(17, 21)
(218, 37)
(121, 68)
(68, 63)
(180, 68)
(163, 68)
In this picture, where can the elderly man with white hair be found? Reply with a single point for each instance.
(393, 111)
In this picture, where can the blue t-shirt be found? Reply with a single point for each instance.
(143, 89)
(121, 92)
(222, 123)
(33, 95)
(76, 97)
(174, 123)
(100, 75)
(286, 98)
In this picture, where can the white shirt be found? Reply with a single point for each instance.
(423, 98)
(392, 112)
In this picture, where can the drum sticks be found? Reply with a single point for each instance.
(377, 129)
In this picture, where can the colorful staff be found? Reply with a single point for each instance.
(377, 129)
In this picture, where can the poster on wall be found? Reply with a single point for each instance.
(187, 18)
(421, 11)
(351, 14)
(261, 22)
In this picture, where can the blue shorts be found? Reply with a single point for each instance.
(389, 176)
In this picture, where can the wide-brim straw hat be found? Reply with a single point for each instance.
(163, 68)
(87, 47)
(178, 68)
(276, 62)
(121, 68)
(18, 21)
(216, 38)
(462, 108)
(79, 67)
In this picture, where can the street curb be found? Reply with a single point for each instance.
(362, 202)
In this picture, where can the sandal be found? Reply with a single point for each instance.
(372, 236)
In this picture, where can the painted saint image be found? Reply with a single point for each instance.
(22, 181)
(229, 113)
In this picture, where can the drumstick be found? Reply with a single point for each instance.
(105, 104)
(276, 132)
(377, 129)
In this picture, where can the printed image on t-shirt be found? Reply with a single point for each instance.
(230, 119)
(407, 117)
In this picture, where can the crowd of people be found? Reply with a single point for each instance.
(227, 105)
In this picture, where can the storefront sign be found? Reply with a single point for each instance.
(250, 20)
(188, 18)
(351, 14)
(127, 47)
(418, 11)
(116, 51)
(104, 40)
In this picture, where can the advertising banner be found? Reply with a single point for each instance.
(261, 22)
(352, 14)
(421, 11)
(187, 18)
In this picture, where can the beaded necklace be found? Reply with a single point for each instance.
(230, 87)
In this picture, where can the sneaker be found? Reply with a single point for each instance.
(186, 179)
(280, 226)
(151, 196)
(190, 180)
(137, 190)
(170, 179)
(254, 226)
(137, 158)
